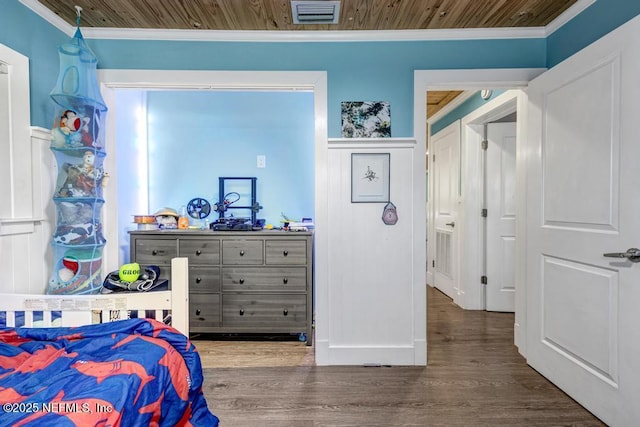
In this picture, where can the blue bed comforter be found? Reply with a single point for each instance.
(135, 372)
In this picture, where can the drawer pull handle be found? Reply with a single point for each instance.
(285, 312)
(154, 252)
(241, 281)
(198, 252)
(198, 280)
(285, 280)
(242, 312)
(197, 312)
(285, 253)
(241, 253)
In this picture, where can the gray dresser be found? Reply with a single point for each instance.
(239, 282)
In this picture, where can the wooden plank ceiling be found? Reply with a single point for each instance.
(276, 15)
(437, 99)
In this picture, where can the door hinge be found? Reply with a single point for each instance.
(483, 213)
(485, 144)
(433, 263)
(483, 280)
(434, 157)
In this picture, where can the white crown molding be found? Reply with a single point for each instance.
(566, 16)
(313, 36)
(309, 36)
(49, 16)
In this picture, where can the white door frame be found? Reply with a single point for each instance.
(425, 80)
(472, 241)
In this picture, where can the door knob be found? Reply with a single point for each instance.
(632, 255)
(451, 224)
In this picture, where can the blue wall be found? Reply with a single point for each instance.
(462, 110)
(27, 33)
(220, 133)
(597, 20)
(359, 71)
(370, 71)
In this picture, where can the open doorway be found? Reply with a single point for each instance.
(472, 156)
(213, 133)
(470, 293)
(489, 138)
(172, 80)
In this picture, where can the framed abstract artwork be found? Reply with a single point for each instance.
(366, 119)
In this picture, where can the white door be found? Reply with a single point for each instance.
(445, 149)
(583, 200)
(501, 216)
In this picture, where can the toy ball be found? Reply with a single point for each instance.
(129, 272)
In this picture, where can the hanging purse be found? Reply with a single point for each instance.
(389, 214)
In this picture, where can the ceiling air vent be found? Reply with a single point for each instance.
(315, 12)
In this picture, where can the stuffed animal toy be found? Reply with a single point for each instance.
(73, 130)
(70, 130)
(70, 122)
(79, 234)
(74, 234)
(82, 179)
(58, 138)
(86, 133)
(74, 213)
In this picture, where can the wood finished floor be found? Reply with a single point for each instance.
(474, 377)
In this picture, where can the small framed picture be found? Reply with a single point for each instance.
(370, 177)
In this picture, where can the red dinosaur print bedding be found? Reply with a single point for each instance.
(136, 372)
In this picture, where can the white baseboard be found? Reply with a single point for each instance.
(327, 355)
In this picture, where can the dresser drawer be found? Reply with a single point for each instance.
(286, 252)
(266, 311)
(204, 312)
(200, 251)
(155, 251)
(242, 252)
(288, 279)
(204, 279)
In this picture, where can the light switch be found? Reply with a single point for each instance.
(261, 161)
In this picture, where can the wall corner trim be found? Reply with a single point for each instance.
(41, 133)
(13, 226)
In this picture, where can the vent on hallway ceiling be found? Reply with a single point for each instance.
(315, 11)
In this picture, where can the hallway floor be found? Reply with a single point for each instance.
(474, 377)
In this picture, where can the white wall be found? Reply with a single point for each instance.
(370, 291)
(362, 314)
(25, 250)
(23, 233)
(371, 286)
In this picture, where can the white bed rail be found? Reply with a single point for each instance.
(74, 310)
